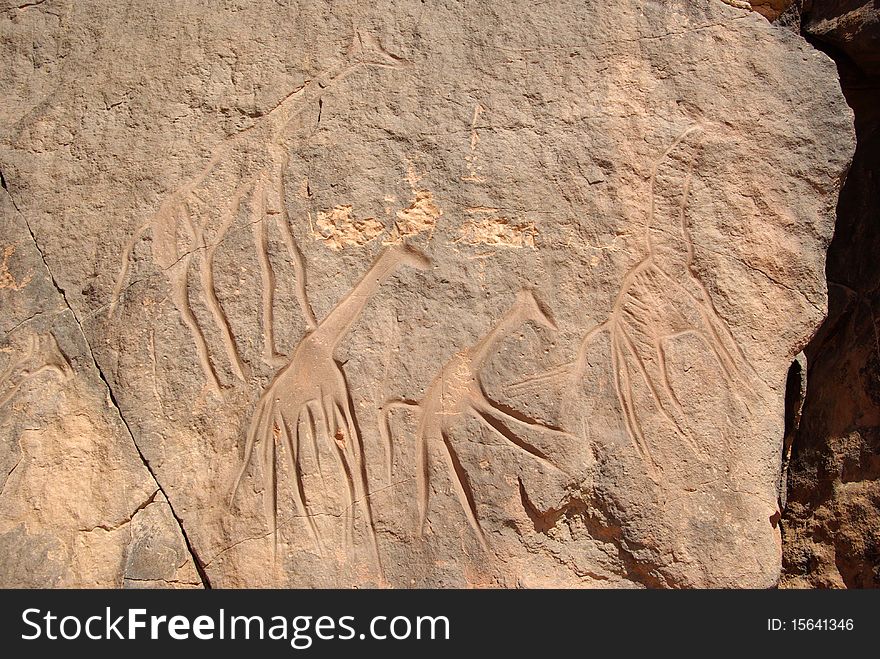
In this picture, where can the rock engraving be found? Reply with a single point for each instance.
(311, 392)
(257, 156)
(661, 299)
(455, 392)
(42, 355)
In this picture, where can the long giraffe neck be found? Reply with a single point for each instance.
(673, 216)
(290, 106)
(480, 352)
(338, 322)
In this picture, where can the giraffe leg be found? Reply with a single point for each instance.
(423, 475)
(362, 489)
(206, 272)
(270, 493)
(180, 297)
(663, 397)
(486, 414)
(261, 240)
(299, 497)
(384, 423)
(122, 277)
(461, 485)
(312, 429)
(623, 388)
(255, 431)
(328, 417)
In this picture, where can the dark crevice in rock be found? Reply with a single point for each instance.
(795, 396)
(5, 187)
(831, 520)
(118, 525)
(28, 5)
(189, 546)
(198, 564)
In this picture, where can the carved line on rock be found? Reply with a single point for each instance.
(457, 390)
(175, 214)
(651, 298)
(41, 355)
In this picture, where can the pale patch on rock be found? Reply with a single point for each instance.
(499, 232)
(338, 229)
(419, 217)
(770, 9)
(7, 279)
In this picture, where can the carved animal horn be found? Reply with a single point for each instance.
(412, 256)
(535, 310)
(367, 49)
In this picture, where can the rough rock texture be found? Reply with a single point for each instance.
(849, 29)
(770, 9)
(831, 525)
(78, 508)
(430, 294)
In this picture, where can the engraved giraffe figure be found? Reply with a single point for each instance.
(661, 299)
(311, 392)
(250, 164)
(42, 355)
(457, 391)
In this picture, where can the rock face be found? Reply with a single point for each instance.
(849, 28)
(770, 9)
(419, 295)
(832, 521)
(78, 508)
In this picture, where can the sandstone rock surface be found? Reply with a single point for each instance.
(418, 294)
(831, 524)
(78, 508)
